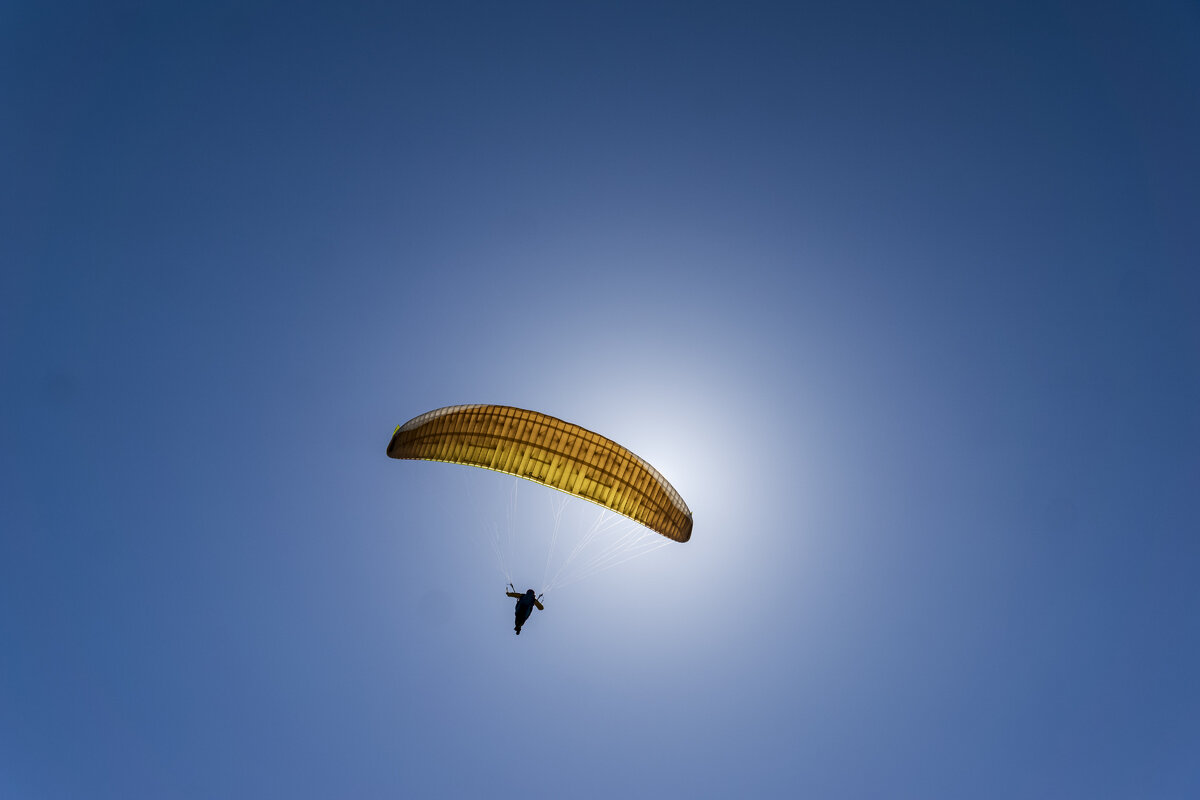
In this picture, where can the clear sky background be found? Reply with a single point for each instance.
(901, 297)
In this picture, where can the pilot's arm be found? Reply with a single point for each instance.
(514, 594)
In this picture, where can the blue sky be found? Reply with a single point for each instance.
(901, 298)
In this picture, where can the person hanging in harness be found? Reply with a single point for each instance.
(525, 604)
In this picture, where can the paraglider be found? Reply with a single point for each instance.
(525, 605)
(549, 451)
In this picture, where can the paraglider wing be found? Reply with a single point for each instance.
(547, 450)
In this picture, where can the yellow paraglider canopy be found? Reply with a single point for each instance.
(547, 450)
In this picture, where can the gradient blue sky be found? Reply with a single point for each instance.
(902, 297)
